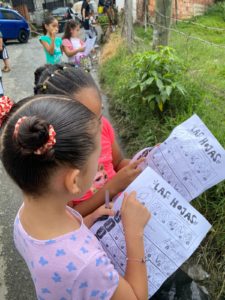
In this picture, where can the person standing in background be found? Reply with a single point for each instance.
(1, 86)
(108, 9)
(4, 55)
(51, 43)
(85, 13)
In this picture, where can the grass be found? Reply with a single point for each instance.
(204, 80)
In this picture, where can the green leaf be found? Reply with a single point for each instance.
(181, 89)
(159, 84)
(150, 97)
(160, 105)
(144, 76)
(134, 86)
(149, 81)
(169, 90)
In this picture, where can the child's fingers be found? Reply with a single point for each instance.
(125, 196)
(111, 205)
(137, 171)
(135, 163)
(108, 212)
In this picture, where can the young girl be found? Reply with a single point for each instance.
(60, 139)
(51, 43)
(73, 46)
(114, 173)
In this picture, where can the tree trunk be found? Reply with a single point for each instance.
(163, 11)
(127, 30)
(146, 11)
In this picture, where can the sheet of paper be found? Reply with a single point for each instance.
(89, 45)
(171, 236)
(190, 159)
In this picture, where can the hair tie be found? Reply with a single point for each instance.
(50, 143)
(47, 146)
(18, 123)
(5, 106)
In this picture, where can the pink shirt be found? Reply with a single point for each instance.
(73, 44)
(69, 267)
(105, 163)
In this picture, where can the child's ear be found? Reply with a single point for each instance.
(71, 181)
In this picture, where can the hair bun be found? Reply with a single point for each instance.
(32, 134)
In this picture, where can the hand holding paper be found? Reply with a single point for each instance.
(125, 176)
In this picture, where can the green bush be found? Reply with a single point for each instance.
(103, 20)
(156, 77)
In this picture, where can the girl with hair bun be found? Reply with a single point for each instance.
(50, 147)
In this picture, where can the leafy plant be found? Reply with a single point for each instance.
(103, 20)
(155, 77)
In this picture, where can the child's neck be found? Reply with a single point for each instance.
(47, 217)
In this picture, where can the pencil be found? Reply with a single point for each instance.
(107, 199)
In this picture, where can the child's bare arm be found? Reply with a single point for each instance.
(89, 206)
(118, 159)
(50, 48)
(116, 185)
(70, 53)
(134, 285)
(101, 211)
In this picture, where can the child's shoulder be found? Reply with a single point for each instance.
(66, 42)
(44, 38)
(106, 123)
(107, 129)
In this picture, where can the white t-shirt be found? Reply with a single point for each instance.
(76, 44)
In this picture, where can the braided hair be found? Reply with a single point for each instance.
(62, 79)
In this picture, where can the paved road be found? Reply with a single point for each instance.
(15, 282)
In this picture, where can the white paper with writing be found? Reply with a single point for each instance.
(175, 230)
(89, 45)
(190, 159)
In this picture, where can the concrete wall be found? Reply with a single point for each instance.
(185, 8)
(182, 9)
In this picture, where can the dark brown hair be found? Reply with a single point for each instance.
(47, 21)
(75, 128)
(62, 79)
(70, 24)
